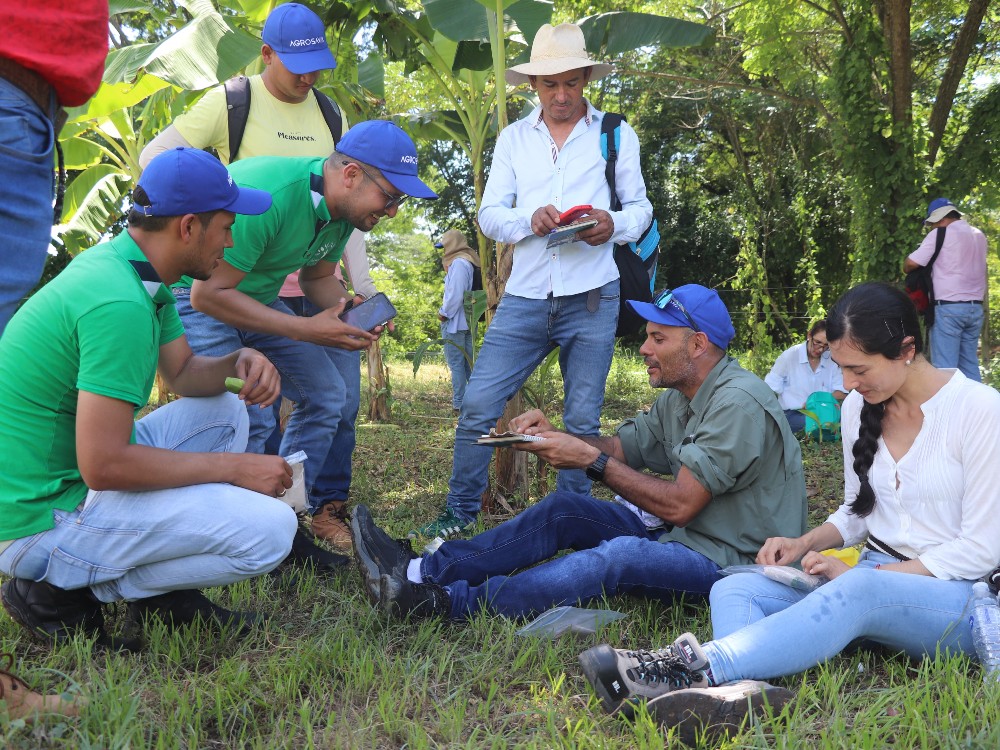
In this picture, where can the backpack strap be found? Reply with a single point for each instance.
(238, 106)
(331, 113)
(938, 243)
(610, 141)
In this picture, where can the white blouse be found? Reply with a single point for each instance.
(945, 508)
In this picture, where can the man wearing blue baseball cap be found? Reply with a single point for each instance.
(94, 506)
(718, 433)
(318, 203)
(956, 254)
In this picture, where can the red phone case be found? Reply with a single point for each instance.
(572, 214)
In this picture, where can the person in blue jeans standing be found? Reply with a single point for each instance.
(564, 296)
(921, 458)
(717, 430)
(460, 265)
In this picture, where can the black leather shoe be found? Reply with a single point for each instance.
(306, 552)
(179, 608)
(53, 615)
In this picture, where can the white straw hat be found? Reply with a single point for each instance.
(557, 49)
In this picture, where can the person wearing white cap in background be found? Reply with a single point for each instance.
(564, 296)
(959, 276)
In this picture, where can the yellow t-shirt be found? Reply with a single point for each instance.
(274, 128)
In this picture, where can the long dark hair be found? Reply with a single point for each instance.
(877, 318)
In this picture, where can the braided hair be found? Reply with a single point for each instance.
(877, 318)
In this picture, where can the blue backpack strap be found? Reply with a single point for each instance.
(610, 142)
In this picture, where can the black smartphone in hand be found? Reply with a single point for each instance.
(375, 311)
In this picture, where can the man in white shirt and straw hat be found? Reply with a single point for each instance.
(564, 296)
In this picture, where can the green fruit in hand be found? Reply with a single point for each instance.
(234, 385)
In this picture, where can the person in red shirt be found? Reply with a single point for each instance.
(52, 57)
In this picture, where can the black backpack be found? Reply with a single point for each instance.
(636, 261)
(919, 283)
(238, 104)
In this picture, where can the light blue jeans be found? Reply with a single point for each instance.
(955, 337)
(458, 355)
(27, 141)
(764, 629)
(309, 377)
(133, 545)
(523, 332)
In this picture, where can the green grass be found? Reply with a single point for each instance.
(329, 672)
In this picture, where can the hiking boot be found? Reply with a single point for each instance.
(53, 615)
(305, 552)
(330, 524)
(447, 526)
(185, 607)
(24, 703)
(401, 598)
(622, 678)
(714, 712)
(376, 552)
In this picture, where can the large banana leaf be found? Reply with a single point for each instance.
(466, 20)
(93, 200)
(610, 34)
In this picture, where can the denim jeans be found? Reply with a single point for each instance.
(796, 420)
(27, 142)
(133, 545)
(309, 377)
(458, 355)
(955, 337)
(523, 332)
(764, 629)
(613, 553)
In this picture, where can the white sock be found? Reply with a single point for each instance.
(413, 571)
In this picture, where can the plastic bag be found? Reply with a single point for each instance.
(554, 622)
(791, 577)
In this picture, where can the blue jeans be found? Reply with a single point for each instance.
(458, 355)
(523, 332)
(955, 337)
(613, 553)
(309, 377)
(334, 479)
(764, 629)
(796, 420)
(133, 545)
(27, 142)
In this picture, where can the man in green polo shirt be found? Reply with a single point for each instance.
(95, 507)
(718, 432)
(317, 204)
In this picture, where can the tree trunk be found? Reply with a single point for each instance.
(378, 386)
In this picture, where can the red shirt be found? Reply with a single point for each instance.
(65, 41)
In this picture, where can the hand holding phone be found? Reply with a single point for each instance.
(572, 214)
(375, 311)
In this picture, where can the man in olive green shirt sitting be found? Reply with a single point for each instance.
(717, 431)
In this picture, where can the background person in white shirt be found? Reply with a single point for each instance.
(564, 296)
(921, 458)
(804, 369)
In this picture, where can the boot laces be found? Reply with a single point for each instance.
(662, 666)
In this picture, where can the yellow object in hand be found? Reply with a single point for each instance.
(848, 555)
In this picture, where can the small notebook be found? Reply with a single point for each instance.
(500, 439)
(565, 234)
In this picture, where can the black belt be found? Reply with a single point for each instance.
(958, 302)
(35, 87)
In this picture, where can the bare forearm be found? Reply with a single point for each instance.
(610, 445)
(674, 502)
(202, 376)
(139, 468)
(326, 292)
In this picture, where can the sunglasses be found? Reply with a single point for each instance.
(392, 201)
(666, 297)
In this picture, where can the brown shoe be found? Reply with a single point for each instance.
(330, 524)
(24, 703)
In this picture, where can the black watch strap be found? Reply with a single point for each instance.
(596, 470)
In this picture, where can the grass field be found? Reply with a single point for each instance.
(329, 672)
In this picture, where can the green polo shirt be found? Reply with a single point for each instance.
(736, 441)
(97, 327)
(295, 232)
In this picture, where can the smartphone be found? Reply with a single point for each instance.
(572, 214)
(375, 311)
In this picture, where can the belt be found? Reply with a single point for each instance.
(958, 302)
(35, 87)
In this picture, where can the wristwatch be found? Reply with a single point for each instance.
(596, 470)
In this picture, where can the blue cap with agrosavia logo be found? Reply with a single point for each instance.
(385, 146)
(704, 306)
(191, 181)
(299, 37)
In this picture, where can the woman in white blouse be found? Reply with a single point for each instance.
(922, 491)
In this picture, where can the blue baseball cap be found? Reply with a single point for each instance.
(938, 209)
(191, 181)
(385, 146)
(704, 305)
(299, 37)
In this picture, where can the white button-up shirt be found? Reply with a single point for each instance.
(529, 172)
(793, 378)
